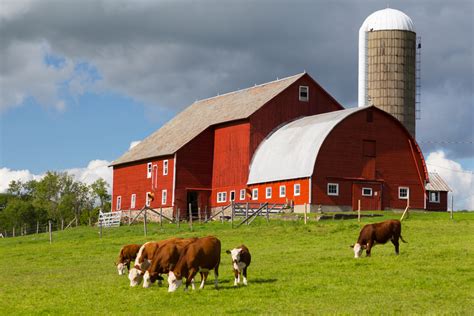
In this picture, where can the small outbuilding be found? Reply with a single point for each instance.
(436, 193)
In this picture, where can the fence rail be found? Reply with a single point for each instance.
(110, 219)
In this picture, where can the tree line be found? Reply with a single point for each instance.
(56, 197)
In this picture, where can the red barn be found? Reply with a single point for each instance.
(286, 141)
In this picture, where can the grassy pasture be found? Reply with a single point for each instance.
(296, 269)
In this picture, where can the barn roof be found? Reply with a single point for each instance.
(279, 156)
(201, 114)
(436, 183)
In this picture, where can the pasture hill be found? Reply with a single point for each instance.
(296, 269)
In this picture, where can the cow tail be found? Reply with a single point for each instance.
(406, 242)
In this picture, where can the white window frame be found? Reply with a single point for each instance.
(297, 189)
(301, 98)
(255, 194)
(230, 195)
(221, 197)
(268, 192)
(407, 194)
(336, 185)
(149, 170)
(165, 167)
(282, 192)
(242, 194)
(119, 203)
(133, 201)
(438, 195)
(368, 194)
(164, 197)
(147, 200)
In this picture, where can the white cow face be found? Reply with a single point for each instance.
(357, 250)
(135, 276)
(174, 282)
(235, 254)
(121, 268)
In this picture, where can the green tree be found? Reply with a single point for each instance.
(100, 192)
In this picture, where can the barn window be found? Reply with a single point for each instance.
(119, 202)
(368, 148)
(148, 170)
(282, 190)
(148, 199)
(403, 193)
(165, 167)
(164, 196)
(242, 194)
(333, 188)
(434, 196)
(255, 194)
(297, 189)
(232, 195)
(133, 200)
(268, 192)
(221, 197)
(304, 93)
(366, 191)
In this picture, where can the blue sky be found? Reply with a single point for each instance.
(79, 81)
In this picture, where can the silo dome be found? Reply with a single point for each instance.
(387, 19)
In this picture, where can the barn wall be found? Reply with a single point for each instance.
(341, 160)
(194, 167)
(287, 107)
(132, 179)
(441, 206)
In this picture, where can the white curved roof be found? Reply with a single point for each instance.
(388, 19)
(291, 151)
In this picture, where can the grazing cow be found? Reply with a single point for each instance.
(200, 256)
(127, 254)
(378, 233)
(240, 261)
(164, 259)
(143, 261)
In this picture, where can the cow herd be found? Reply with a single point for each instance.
(179, 258)
(186, 257)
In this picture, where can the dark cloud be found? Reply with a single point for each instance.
(166, 54)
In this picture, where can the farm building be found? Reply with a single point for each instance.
(286, 141)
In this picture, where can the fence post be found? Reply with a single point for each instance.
(144, 222)
(268, 218)
(199, 215)
(205, 213)
(100, 229)
(358, 211)
(13, 231)
(76, 220)
(406, 210)
(247, 211)
(37, 227)
(232, 215)
(50, 232)
(305, 211)
(161, 217)
(178, 218)
(190, 217)
(452, 206)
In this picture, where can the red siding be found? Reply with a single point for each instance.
(132, 179)
(287, 107)
(441, 206)
(341, 160)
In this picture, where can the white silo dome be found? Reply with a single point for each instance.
(387, 19)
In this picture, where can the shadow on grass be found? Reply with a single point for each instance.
(229, 284)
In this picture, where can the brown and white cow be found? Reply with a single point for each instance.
(127, 254)
(200, 256)
(143, 260)
(240, 261)
(378, 233)
(164, 259)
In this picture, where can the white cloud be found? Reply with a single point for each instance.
(95, 169)
(459, 180)
(134, 143)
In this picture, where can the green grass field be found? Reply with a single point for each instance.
(296, 269)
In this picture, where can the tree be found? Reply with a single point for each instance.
(100, 192)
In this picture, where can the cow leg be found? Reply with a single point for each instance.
(192, 284)
(203, 279)
(128, 266)
(369, 248)
(190, 278)
(236, 277)
(216, 275)
(396, 244)
(245, 275)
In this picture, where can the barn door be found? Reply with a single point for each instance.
(369, 195)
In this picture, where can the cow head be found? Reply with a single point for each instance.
(135, 276)
(235, 254)
(358, 248)
(174, 281)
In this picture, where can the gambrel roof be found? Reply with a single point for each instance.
(204, 113)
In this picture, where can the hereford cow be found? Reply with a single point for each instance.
(240, 261)
(200, 256)
(378, 233)
(143, 260)
(127, 254)
(164, 259)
